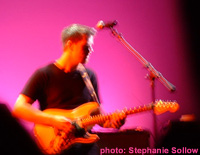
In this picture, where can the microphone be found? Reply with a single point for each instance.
(101, 24)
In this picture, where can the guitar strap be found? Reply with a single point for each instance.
(87, 81)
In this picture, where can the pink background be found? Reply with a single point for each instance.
(30, 38)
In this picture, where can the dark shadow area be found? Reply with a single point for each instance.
(191, 16)
(14, 139)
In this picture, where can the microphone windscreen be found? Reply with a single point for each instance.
(100, 24)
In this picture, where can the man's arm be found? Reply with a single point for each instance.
(24, 110)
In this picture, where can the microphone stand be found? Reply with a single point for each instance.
(153, 73)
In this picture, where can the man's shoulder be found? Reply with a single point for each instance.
(92, 74)
(90, 71)
(46, 68)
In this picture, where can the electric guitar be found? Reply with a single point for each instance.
(53, 141)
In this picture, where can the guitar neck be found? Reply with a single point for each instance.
(101, 118)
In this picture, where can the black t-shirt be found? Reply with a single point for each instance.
(54, 88)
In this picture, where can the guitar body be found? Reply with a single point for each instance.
(53, 141)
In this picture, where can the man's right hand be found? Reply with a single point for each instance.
(62, 123)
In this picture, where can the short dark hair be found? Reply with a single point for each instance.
(76, 32)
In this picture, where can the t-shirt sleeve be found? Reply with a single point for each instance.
(33, 86)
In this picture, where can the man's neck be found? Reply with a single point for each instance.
(65, 64)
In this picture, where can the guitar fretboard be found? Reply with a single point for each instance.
(101, 118)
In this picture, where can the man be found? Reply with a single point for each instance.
(60, 85)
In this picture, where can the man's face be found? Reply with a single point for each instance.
(83, 49)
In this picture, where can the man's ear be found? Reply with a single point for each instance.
(67, 45)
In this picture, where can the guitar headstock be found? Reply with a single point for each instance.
(163, 106)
